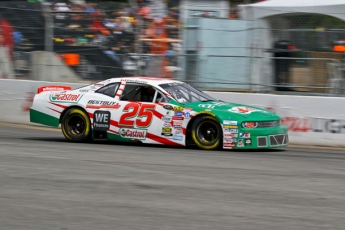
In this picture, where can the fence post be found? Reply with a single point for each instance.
(49, 32)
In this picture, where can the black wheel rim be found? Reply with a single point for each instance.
(207, 133)
(76, 125)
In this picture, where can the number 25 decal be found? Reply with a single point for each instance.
(142, 112)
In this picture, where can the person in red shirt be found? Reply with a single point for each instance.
(6, 35)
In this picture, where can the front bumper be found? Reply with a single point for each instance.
(257, 138)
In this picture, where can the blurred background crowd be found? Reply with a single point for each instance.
(200, 41)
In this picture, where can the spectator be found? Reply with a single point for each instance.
(17, 38)
(121, 26)
(7, 36)
(89, 8)
(61, 7)
(110, 24)
(126, 10)
(145, 12)
(233, 12)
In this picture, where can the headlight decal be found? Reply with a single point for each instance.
(260, 124)
(249, 124)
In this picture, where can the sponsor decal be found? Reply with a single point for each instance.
(320, 125)
(230, 135)
(178, 131)
(166, 124)
(98, 85)
(249, 125)
(202, 13)
(228, 145)
(177, 118)
(178, 114)
(243, 110)
(136, 81)
(178, 109)
(227, 122)
(167, 134)
(188, 109)
(178, 138)
(207, 112)
(166, 119)
(177, 122)
(166, 130)
(97, 104)
(240, 143)
(245, 135)
(227, 140)
(230, 127)
(139, 134)
(84, 90)
(101, 120)
(230, 130)
(52, 88)
(212, 105)
(304, 124)
(167, 107)
(187, 115)
(313, 124)
(248, 142)
(65, 97)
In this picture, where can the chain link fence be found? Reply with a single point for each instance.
(87, 40)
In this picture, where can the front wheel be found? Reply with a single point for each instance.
(206, 132)
(76, 125)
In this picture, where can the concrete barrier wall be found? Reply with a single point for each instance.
(16, 98)
(311, 120)
(47, 66)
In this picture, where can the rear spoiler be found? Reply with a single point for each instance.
(53, 88)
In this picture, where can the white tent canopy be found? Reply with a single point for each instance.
(335, 8)
(269, 16)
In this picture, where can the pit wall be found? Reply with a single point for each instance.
(318, 121)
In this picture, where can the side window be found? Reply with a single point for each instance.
(138, 92)
(161, 98)
(109, 89)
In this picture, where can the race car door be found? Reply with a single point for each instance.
(141, 114)
(101, 105)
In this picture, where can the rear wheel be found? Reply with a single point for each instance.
(76, 125)
(206, 132)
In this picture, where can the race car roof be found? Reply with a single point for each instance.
(143, 80)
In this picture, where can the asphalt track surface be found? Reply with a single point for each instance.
(48, 183)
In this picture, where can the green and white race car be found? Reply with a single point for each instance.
(156, 111)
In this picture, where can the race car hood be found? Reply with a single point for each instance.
(225, 110)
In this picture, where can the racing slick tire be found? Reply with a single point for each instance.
(206, 132)
(76, 125)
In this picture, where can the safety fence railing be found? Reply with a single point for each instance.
(308, 76)
(297, 75)
(84, 41)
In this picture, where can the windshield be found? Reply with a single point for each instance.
(184, 93)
